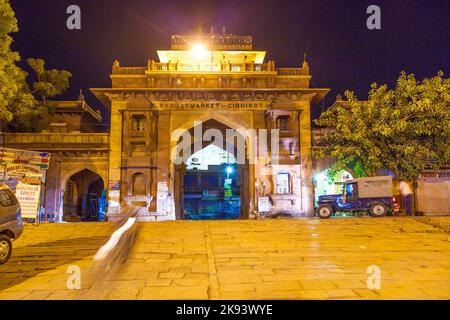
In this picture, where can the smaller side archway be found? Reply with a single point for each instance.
(84, 197)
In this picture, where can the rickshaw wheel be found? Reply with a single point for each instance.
(325, 211)
(378, 210)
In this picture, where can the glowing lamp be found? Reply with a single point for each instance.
(229, 170)
(198, 51)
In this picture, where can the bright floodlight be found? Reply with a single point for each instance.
(198, 51)
(229, 170)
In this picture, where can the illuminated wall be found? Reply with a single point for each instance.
(324, 185)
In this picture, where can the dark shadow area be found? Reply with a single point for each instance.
(30, 261)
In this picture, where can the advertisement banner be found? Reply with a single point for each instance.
(434, 176)
(28, 196)
(23, 171)
(114, 198)
(14, 156)
(263, 204)
(23, 164)
(162, 201)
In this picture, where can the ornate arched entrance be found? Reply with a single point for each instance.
(213, 181)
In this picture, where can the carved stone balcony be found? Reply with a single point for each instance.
(137, 136)
(288, 200)
(285, 134)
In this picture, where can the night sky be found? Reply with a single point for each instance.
(343, 54)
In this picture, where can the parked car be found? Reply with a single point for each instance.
(373, 195)
(11, 225)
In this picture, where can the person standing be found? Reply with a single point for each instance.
(407, 194)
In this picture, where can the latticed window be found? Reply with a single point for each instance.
(138, 123)
(283, 123)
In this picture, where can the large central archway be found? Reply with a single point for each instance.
(211, 186)
(213, 183)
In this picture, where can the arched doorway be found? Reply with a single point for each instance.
(84, 197)
(213, 183)
(211, 186)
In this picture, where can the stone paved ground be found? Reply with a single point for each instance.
(266, 259)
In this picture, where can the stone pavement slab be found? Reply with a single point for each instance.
(243, 259)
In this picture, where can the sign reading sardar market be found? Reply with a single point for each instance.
(235, 105)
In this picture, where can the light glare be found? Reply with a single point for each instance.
(198, 51)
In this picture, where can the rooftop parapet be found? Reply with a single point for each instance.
(214, 41)
(159, 67)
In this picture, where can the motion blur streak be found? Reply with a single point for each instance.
(111, 257)
(114, 240)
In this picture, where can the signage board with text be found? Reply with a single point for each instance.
(28, 196)
(263, 204)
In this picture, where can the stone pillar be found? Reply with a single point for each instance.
(306, 159)
(164, 149)
(253, 153)
(115, 157)
(126, 128)
(54, 191)
(260, 124)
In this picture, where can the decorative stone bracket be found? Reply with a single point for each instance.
(133, 198)
(285, 197)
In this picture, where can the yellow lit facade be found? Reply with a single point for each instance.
(220, 80)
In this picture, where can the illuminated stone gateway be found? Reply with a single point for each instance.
(207, 85)
(220, 81)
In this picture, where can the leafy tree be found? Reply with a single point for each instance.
(19, 108)
(15, 98)
(49, 83)
(405, 129)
